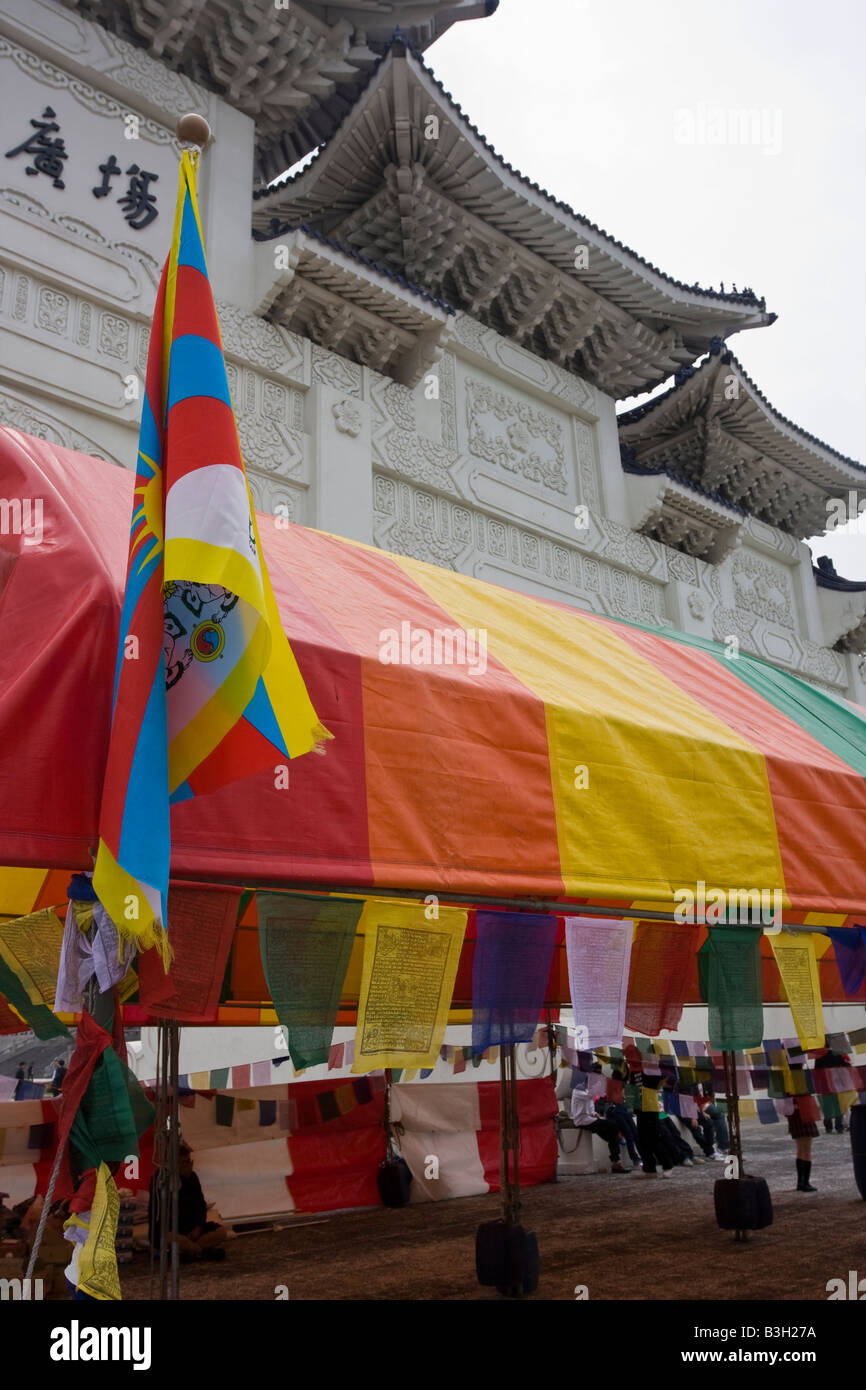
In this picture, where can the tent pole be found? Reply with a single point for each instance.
(733, 1099)
(161, 1185)
(515, 1135)
(173, 1034)
(504, 1174)
(509, 1175)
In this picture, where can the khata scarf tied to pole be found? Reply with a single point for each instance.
(206, 687)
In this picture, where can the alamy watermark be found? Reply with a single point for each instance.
(841, 511)
(438, 646)
(729, 125)
(22, 516)
(745, 906)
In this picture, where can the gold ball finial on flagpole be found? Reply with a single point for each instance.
(193, 129)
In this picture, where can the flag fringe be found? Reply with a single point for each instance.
(321, 735)
(154, 937)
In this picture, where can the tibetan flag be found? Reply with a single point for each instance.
(206, 687)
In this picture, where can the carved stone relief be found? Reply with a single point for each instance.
(486, 342)
(514, 435)
(254, 340)
(89, 97)
(762, 588)
(335, 371)
(412, 522)
(587, 467)
(347, 417)
(24, 416)
(448, 400)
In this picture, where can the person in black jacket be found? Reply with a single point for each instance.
(197, 1238)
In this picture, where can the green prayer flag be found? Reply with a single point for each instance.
(731, 978)
(305, 945)
(113, 1112)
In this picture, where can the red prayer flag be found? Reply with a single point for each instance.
(202, 922)
(661, 956)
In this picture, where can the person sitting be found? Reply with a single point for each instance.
(197, 1238)
(585, 1116)
(680, 1150)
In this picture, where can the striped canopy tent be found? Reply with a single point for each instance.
(547, 756)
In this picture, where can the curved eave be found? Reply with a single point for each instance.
(486, 186)
(777, 436)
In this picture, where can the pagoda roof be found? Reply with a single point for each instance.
(296, 68)
(344, 303)
(452, 215)
(715, 429)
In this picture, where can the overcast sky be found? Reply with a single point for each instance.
(610, 104)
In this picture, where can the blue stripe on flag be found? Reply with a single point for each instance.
(144, 837)
(196, 368)
(148, 436)
(191, 251)
(260, 713)
(182, 793)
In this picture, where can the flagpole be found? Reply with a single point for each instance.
(192, 130)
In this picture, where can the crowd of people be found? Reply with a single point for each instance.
(658, 1136)
(651, 1136)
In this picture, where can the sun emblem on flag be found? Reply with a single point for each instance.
(207, 641)
(146, 539)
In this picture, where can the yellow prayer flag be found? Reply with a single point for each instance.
(30, 947)
(407, 979)
(649, 1100)
(97, 1269)
(199, 1080)
(798, 967)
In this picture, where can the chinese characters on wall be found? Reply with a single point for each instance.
(47, 151)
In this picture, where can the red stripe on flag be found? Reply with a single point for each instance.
(201, 431)
(194, 310)
(243, 752)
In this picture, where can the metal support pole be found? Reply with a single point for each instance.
(173, 1031)
(732, 1096)
(161, 1203)
(515, 1135)
(509, 1135)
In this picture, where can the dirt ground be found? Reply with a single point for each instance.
(622, 1237)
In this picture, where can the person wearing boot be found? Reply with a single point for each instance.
(803, 1128)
